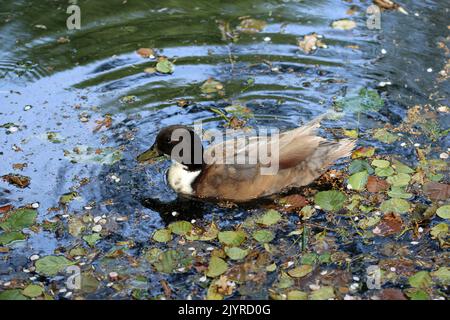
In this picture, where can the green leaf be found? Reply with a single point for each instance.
(180, 228)
(8, 237)
(323, 293)
(381, 163)
(420, 280)
(358, 166)
(285, 281)
(366, 100)
(235, 253)
(343, 24)
(402, 168)
(330, 200)
(92, 239)
(358, 180)
(19, 219)
(167, 261)
(33, 291)
(13, 294)
(217, 266)
(297, 295)
(439, 230)
(211, 86)
(89, 283)
(442, 274)
(395, 205)
(211, 233)
(232, 238)
(399, 192)
(384, 172)
(263, 236)
(68, 197)
(162, 235)
(300, 271)
(52, 265)
(270, 217)
(399, 180)
(444, 212)
(309, 258)
(385, 136)
(416, 294)
(165, 66)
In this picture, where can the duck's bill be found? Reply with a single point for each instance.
(151, 154)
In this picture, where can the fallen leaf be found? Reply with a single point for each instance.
(375, 184)
(310, 43)
(250, 25)
(363, 152)
(391, 223)
(17, 180)
(343, 24)
(392, 294)
(437, 191)
(146, 52)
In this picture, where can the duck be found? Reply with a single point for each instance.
(302, 157)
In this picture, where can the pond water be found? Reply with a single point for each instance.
(57, 86)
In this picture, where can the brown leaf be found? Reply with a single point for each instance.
(19, 166)
(106, 122)
(146, 52)
(363, 152)
(437, 191)
(166, 288)
(17, 180)
(390, 224)
(294, 201)
(386, 4)
(392, 294)
(6, 208)
(375, 184)
(310, 43)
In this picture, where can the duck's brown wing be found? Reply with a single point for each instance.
(302, 158)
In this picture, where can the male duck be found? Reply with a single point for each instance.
(302, 158)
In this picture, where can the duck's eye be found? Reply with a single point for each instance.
(169, 140)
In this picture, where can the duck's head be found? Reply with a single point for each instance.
(178, 142)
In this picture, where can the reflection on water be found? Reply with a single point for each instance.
(71, 79)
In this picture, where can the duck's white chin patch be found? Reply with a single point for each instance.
(180, 179)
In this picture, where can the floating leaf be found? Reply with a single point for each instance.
(13, 294)
(417, 294)
(439, 231)
(381, 163)
(263, 236)
(390, 224)
(166, 261)
(384, 172)
(358, 180)
(250, 25)
(33, 291)
(270, 217)
(297, 295)
(162, 235)
(385, 136)
(323, 293)
(330, 200)
(17, 180)
(402, 168)
(399, 180)
(146, 52)
(375, 184)
(365, 100)
(437, 191)
(232, 238)
(359, 166)
(300, 271)
(369, 222)
(164, 65)
(443, 274)
(217, 266)
(180, 228)
(363, 152)
(8, 237)
(52, 265)
(236, 253)
(18, 219)
(399, 192)
(310, 43)
(211, 86)
(351, 133)
(444, 212)
(211, 233)
(343, 24)
(420, 280)
(91, 239)
(395, 205)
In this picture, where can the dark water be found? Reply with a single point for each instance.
(280, 84)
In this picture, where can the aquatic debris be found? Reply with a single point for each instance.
(309, 43)
(249, 25)
(365, 100)
(343, 24)
(391, 223)
(211, 86)
(390, 5)
(146, 53)
(106, 123)
(164, 65)
(437, 191)
(17, 180)
(85, 154)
